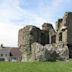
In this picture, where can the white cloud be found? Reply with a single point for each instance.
(57, 3)
(9, 11)
(8, 34)
(8, 30)
(12, 17)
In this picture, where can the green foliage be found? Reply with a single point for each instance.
(27, 42)
(59, 66)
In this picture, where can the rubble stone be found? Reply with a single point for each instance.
(46, 43)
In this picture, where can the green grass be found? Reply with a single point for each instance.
(59, 66)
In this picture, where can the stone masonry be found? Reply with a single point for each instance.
(64, 31)
(46, 43)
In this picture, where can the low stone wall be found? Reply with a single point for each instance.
(49, 52)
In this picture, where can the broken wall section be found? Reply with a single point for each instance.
(64, 31)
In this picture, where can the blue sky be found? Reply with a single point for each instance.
(15, 14)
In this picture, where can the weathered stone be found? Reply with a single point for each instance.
(38, 52)
(27, 36)
(58, 51)
(64, 31)
(51, 32)
(31, 34)
(50, 53)
(62, 51)
(56, 45)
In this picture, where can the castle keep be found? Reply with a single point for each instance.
(46, 43)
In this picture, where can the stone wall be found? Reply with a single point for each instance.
(51, 32)
(31, 34)
(69, 33)
(20, 38)
(69, 27)
(38, 52)
(49, 52)
(65, 27)
(46, 43)
(27, 36)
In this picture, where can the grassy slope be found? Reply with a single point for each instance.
(59, 66)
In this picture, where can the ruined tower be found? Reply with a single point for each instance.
(64, 31)
(26, 37)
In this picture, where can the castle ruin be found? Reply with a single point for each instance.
(47, 43)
